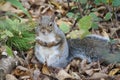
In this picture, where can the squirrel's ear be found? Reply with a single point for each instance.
(54, 15)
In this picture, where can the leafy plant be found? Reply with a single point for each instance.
(65, 28)
(115, 3)
(9, 51)
(18, 35)
(83, 8)
(108, 16)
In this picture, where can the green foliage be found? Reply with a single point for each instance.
(9, 51)
(84, 25)
(70, 14)
(108, 16)
(94, 17)
(23, 42)
(116, 3)
(65, 28)
(83, 1)
(17, 33)
(94, 25)
(95, 20)
(97, 2)
(17, 4)
(92, 20)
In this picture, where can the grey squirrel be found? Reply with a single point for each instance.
(53, 49)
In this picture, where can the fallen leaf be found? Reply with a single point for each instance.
(98, 75)
(62, 74)
(113, 71)
(45, 70)
(75, 75)
(89, 72)
(22, 68)
(10, 77)
(75, 63)
(117, 77)
(84, 65)
(6, 7)
(36, 73)
(25, 78)
(21, 71)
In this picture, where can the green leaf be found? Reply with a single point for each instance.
(94, 25)
(108, 16)
(85, 23)
(77, 34)
(74, 34)
(116, 3)
(84, 34)
(97, 2)
(95, 18)
(70, 14)
(17, 4)
(64, 27)
(3, 36)
(83, 1)
(104, 1)
(8, 33)
(9, 51)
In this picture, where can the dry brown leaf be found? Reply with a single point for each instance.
(57, 5)
(89, 72)
(25, 4)
(45, 70)
(98, 75)
(75, 75)
(25, 78)
(36, 73)
(37, 2)
(10, 77)
(84, 65)
(21, 71)
(67, 67)
(6, 7)
(22, 68)
(104, 34)
(29, 55)
(117, 77)
(75, 63)
(64, 20)
(21, 60)
(61, 6)
(62, 74)
(113, 71)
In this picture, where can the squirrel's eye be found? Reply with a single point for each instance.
(50, 24)
(39, 24)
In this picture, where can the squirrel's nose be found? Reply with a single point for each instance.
(44, 32)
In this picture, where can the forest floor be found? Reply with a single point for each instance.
(68, 13)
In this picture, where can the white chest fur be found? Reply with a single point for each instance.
(47, 54)
(46, 38)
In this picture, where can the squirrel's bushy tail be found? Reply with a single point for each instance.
(93, 48)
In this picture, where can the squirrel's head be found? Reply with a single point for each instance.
(46, 25)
